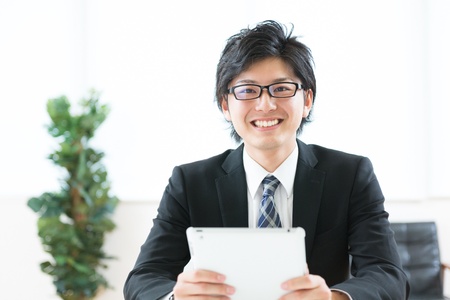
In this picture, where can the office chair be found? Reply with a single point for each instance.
(418, 247)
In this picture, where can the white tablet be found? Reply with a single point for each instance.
(255, 261)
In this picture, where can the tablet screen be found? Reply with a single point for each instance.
(255, 260)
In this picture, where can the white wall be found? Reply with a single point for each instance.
(382, 70)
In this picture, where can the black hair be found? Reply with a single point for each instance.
(267, 39)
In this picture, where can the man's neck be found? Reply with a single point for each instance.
(270, 159)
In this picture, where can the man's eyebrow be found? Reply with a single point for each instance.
(244, 81)
(250, 81)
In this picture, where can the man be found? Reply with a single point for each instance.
(265, 88)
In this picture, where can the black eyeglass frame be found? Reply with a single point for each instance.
(262, 87)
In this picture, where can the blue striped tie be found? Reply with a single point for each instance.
(268, 213)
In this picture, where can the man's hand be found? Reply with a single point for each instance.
(211, 285)
(202, 283)
(310, 287)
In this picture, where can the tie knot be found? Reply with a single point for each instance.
(270, 184)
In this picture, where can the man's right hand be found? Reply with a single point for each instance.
(202, 284)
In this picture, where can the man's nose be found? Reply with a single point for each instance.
(265, 101)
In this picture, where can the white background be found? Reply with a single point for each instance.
(382, 73)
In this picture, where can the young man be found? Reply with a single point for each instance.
(265, 87)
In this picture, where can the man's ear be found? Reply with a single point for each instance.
(225, 109)
(308, 102)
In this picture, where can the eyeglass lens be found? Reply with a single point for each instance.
(276, 90)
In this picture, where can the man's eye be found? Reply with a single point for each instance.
(247, 90)
(282, 88)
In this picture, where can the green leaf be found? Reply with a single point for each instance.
(58, 110)
(35, 204)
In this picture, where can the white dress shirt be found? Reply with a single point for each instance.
(283, 196)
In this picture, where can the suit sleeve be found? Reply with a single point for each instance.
(165, 252)
(376, 271)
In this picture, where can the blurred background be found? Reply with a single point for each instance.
(382, 70)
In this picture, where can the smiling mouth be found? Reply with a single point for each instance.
(264, 124)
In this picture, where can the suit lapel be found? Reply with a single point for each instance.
(232, 191)
(308, 186)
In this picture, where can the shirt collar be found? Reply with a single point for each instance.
(285, 172)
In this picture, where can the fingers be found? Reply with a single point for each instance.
(202, 284)
(303, 282)
(306, 287)
(202, 276)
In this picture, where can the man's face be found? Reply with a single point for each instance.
(267, 123)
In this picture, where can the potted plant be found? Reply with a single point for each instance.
(72, 222)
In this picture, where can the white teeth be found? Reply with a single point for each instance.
(266, 123)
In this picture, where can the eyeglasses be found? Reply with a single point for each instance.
(275, 90)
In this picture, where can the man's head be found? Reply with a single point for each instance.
(268, 39)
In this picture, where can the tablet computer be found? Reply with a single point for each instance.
(254, 261)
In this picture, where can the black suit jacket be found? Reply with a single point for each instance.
(337, 200)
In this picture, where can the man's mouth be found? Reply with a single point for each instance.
(265, 123)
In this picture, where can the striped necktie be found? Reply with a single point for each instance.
(268, 216)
